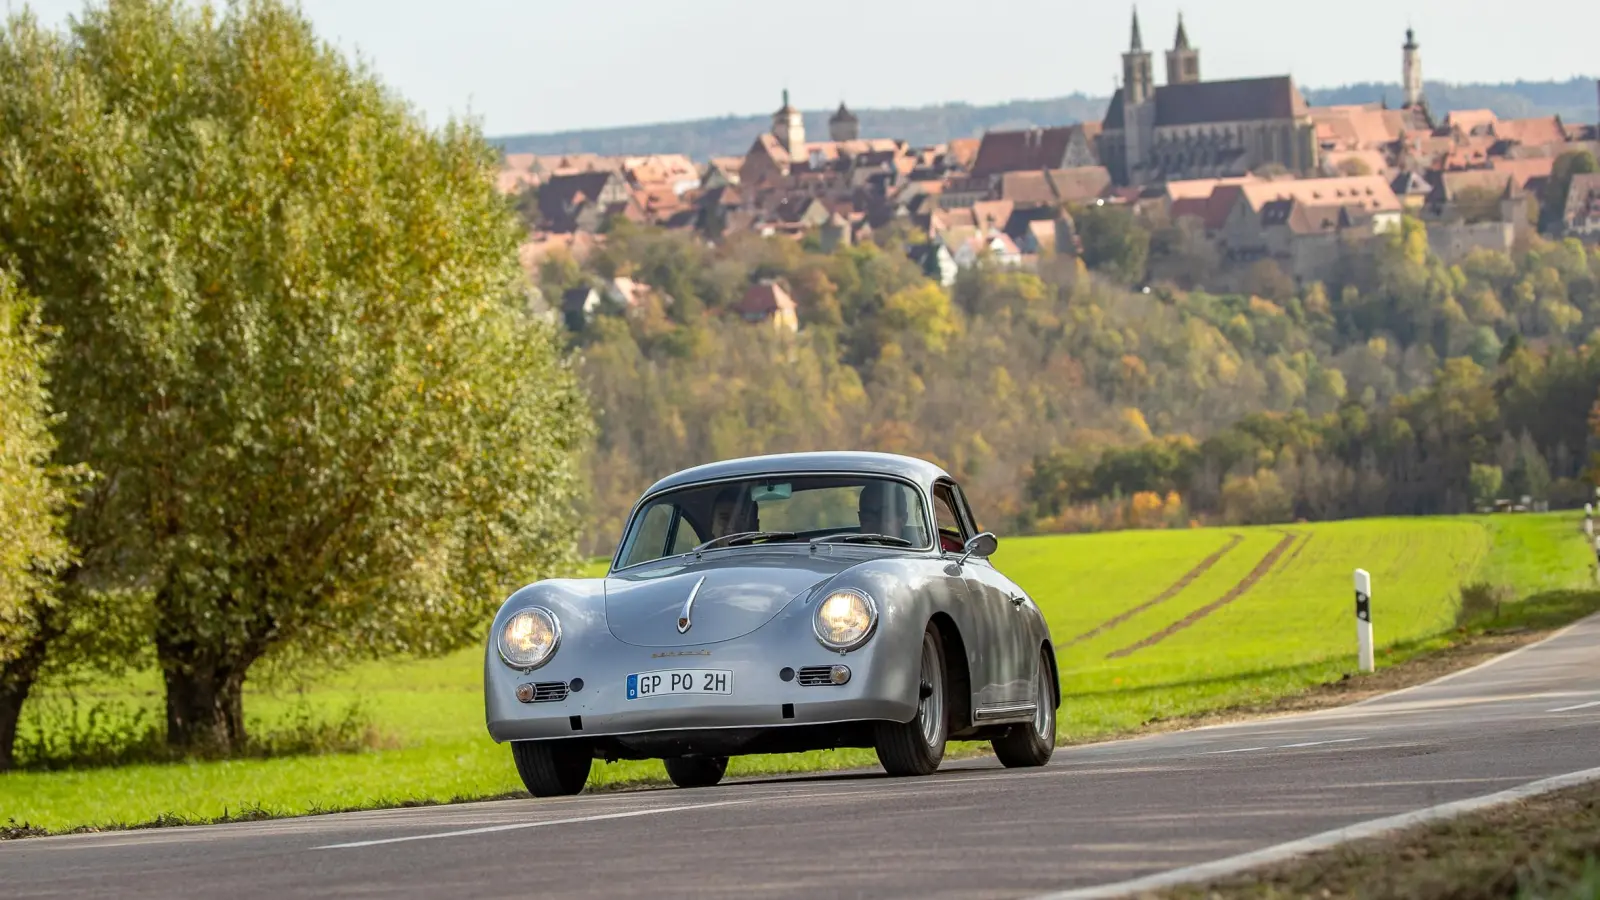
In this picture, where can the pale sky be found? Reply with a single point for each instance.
(556, 65)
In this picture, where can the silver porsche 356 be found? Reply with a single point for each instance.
(772, 605)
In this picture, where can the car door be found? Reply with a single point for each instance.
(987, 611)
(1011, 643)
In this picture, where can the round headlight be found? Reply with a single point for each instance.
(529, 638)
(845, 619)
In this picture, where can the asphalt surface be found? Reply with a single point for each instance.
(1097, 814)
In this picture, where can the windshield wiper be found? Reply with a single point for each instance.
(743, 537)
(856, 538)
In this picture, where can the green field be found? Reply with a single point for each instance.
(1291, 628)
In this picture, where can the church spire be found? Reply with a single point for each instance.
(1137, 84)
(1183, 60)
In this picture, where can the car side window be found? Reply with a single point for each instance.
(952, 535)
(651, 539)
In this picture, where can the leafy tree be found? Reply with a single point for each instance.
(1485, 482)
(293, 343)
(1113, 241)
(1553, 202)
(33, 548)
(1478, 204)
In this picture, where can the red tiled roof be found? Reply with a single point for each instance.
(1544, 130)
(1021, 151)
(964, 151)
(1469, 120)
(1523, 171)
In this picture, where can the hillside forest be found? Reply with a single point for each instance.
(1098, 392)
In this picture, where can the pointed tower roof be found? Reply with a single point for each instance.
(1411, 39)
(786, 108)
(1181, 42)
(844, 114)
(1137, 44)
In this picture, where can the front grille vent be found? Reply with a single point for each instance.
(546, 691)
(815, 675)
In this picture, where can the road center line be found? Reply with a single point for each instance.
(490, 829)
(1579, 706)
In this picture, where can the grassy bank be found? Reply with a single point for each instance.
(1244, 617)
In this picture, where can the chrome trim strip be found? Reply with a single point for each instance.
(684, 622)
(555, 625)
(1005, 711)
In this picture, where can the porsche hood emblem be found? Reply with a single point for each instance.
(685, 620)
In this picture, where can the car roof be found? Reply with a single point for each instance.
(910, 468)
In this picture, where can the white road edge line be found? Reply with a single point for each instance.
(1235, 864)
(1492, 661)
(489, 829)
(1579, 706)
(1235, 750)
(1321, 743)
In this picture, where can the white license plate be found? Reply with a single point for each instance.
(680, 681)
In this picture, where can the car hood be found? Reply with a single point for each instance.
(741, 590)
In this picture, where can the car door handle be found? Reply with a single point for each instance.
(1017, 600)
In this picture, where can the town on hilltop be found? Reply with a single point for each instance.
(1246, 166)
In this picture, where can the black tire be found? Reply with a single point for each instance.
(552, 768)
(696, 771)
(917, 747)
(1031, 744)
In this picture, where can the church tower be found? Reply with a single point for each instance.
(1183, 61)
(1138, 85)
(844, 126)
(1411, 75)
(789, 127)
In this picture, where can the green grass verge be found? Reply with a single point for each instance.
(1291, 630)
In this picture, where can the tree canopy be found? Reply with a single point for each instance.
(33, 495)
(295, 342)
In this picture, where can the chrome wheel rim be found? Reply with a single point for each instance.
(1044, 710)
(931, 710)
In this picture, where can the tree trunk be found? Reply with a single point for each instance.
(205, 702)
(16, 680)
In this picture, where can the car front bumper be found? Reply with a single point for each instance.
(882, 686)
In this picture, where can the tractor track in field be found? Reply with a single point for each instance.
(1177, 587)
(1234, 593)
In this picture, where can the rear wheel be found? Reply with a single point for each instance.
(1032, 744)
(696, 771)
(552, 768)
(917, 747)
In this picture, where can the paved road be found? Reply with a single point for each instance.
(1097, 814)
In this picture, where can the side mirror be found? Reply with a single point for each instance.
(982, 546)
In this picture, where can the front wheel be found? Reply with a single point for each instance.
(696, 771)
(917, 747)
(552, 768)
(1033, 743)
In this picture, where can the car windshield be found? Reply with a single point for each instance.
(796, 508)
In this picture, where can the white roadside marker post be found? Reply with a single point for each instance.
(1588, 519)
(1364, 620)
